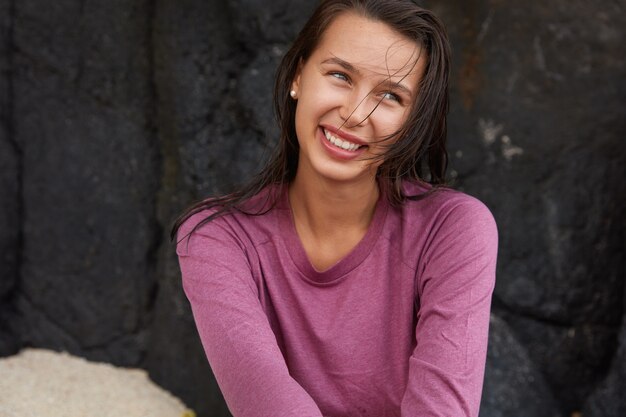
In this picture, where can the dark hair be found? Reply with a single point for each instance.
(419, 154)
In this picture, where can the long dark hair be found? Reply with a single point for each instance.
(419, 154)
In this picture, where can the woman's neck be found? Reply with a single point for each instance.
(324, 209)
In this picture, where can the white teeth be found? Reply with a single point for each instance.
(343, 144)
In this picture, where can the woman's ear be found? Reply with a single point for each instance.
(295, 84)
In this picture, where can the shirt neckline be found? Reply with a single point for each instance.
(298, 255)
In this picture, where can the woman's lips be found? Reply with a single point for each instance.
(345, 136)
(341, 143)
(341, 146)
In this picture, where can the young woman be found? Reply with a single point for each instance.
(346, 280)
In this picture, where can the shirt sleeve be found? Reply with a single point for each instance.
(235, 332)
(455, 283)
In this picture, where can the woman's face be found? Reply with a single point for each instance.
(355, 89)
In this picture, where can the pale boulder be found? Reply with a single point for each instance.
(43, 383)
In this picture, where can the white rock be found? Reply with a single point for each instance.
(43, 383)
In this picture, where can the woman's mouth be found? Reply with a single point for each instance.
(341, 143)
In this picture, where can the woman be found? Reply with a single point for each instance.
(346, 280)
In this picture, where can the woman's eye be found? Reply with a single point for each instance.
(340, 75)
(391, 96)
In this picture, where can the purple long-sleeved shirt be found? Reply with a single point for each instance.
(396, 328)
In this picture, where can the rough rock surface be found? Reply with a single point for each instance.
(10, 174)
(43, 383)
(608, 400)
(82, 107)
(514, 386)
(535, 127)
(114, 116)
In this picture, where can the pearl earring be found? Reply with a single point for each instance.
(292, 93)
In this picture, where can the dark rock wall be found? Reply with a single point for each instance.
(10, 183)
(536, 132)
(82, 104)
(116, 115)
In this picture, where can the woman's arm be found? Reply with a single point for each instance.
(455, 285)
(235, 332)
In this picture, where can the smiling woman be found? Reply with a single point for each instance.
(353, 97)
(346, 280)
(356, 87)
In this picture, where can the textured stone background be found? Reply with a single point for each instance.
(114, 115)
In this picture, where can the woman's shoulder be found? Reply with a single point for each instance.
(445, 206)
(450, 225)
(198, 222)
(241, 225)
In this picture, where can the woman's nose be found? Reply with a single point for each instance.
(356, 108)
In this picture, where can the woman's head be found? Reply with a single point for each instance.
(420, 141)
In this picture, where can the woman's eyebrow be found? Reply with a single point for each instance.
(392, 85)
(345, 64)
(351, 68)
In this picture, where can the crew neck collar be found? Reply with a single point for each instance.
(353, 259)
